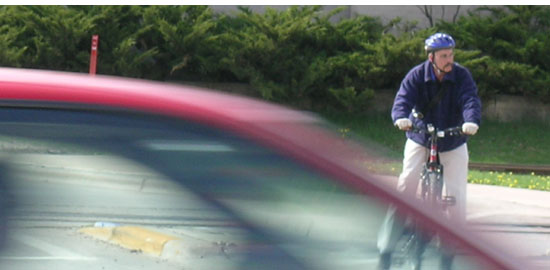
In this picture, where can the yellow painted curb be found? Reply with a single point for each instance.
(99, 233)
(131, 237)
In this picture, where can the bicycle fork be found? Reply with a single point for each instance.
(432, 181)
(432, 186)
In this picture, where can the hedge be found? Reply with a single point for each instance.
(300, 56)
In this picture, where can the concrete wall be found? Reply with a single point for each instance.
(412, 13)
(385, 12)
(513, 108)
(503, 108)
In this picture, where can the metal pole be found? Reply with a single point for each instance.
(93, 55)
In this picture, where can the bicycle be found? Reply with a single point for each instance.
(431, 192)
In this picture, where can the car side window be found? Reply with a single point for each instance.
(77, 183)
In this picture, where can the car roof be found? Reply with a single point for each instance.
(137, 94)
(292, 132)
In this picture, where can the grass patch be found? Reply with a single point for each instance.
(516, 143)
(501, 143)
(376, 128)
(513, 143)
(528, 181)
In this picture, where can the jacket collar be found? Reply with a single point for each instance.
(429, 74)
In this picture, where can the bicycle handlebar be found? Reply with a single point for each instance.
(452, 131)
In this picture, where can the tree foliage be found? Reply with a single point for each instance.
(511, 45)
(303, 56)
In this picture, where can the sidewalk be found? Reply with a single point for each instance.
(489, 208)
(505, 205)
(488, 204)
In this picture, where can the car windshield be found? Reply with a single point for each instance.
(90, 189)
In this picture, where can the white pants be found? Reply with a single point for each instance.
(455, 173)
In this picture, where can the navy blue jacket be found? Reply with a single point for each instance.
(459, 104)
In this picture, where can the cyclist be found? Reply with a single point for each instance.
(444, 94)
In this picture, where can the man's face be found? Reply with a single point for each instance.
(443, 59)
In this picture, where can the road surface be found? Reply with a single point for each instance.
(54, 198)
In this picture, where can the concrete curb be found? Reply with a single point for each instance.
(131, 237)
(181, 249)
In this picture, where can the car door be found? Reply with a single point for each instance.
(220, 199)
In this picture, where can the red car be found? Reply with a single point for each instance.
(111, 173)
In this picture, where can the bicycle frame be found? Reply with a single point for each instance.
(431, 191)
(432, 175)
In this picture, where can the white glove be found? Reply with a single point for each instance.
(470, 128)
(403, 123)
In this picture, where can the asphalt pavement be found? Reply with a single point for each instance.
(508, 205)
(492, 208)
(485, 202)
(488, 204)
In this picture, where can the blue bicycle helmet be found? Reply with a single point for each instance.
(439, 41)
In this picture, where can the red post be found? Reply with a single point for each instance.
(93, 55)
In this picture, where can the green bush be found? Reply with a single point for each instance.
(45, 37)
(511, 48)
(277, 52)
(10, 54)
(302, 56)
(187, 41)
(122, 50)
(497, 76)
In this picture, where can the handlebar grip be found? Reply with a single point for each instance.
(454, 131)
(416, 129)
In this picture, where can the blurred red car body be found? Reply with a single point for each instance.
(287, 131)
